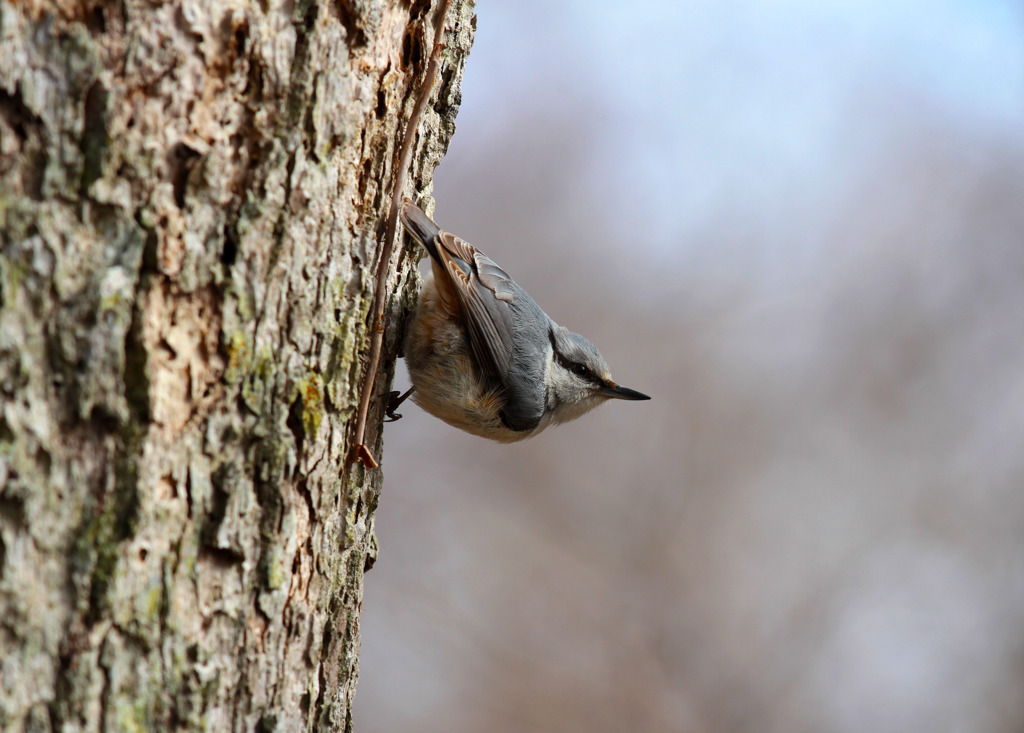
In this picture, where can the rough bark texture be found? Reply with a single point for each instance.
(191, 200)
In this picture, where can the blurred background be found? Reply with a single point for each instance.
(799, 226)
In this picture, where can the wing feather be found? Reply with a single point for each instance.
(488, 320)
(499, 316)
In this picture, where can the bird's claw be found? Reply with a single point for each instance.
(394, 401)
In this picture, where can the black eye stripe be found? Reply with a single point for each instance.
(580, 370)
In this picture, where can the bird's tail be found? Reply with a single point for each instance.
(420, 226)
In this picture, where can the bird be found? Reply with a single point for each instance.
(484, 357)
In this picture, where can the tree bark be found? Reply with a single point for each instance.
(192, 197)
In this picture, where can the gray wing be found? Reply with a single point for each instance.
(508, 331)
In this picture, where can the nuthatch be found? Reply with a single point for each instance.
(484, 357)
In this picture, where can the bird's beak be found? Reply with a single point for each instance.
(622, 393)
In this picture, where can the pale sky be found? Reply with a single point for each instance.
(693, 105)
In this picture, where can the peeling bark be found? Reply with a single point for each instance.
(192, 197)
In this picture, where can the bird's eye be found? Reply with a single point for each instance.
(580, 370)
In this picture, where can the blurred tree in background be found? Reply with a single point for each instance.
(799, 227)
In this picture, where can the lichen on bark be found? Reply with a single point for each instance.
(191, 200)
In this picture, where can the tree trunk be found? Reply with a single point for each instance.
(192, 197)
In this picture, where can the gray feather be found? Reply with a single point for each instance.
(420, 226)
(507, 329)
